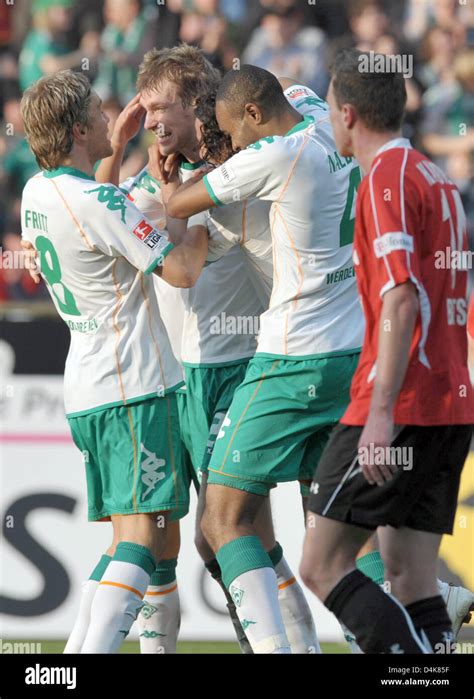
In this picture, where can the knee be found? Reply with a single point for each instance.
(311, 575)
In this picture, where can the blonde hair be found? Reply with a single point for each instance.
(50, 108)
(184, 66)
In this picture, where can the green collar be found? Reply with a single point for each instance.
(301, 125)
(184, 165)
(64, 170)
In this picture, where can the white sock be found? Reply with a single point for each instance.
(79, 630)
(297, 617)
(160, 619)
(255, 594)
(115, 606)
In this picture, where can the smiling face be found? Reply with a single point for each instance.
(173, 124)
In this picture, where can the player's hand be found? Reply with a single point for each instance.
(163, 168)
(128, 123)
(376, 437)
(30, 256)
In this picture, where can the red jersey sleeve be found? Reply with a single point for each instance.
(390, 209)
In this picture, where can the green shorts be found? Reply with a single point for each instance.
(209, 393)
(134, 459)
(280, 421)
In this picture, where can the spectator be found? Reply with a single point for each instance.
(368, 23)
(46, 50)
(421, 16)
(438, 56)
(18, 162)
(285, 47)
(128, 34)
(448, 129)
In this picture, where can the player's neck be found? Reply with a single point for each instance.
(368, 143)
(192, 153)
(79, 161)
(280, 125)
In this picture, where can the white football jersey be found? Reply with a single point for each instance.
(97, 254)
(219, 316)
(314, 307)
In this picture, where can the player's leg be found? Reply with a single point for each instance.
(120, 594)
(379, 622)
(247, 571)
(411, 559)
(214, 569)
(159, 619)
(294, 607)
(89, 588)
(141, 468)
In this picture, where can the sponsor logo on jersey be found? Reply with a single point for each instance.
(226, 173)
(393, 242)
(112, 197)
(298, 92)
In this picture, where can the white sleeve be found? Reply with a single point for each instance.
(254, 172)
(118, 228)
(305, 100)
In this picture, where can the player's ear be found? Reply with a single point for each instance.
(254, 113)
(349, 115)
(79, 132)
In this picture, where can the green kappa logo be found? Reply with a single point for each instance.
(245, 624)
(111, 196)
(237, 595)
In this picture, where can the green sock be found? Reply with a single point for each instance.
(99, 570)
(276, 554)
(372, 566)
(165, 572)
(241, 555)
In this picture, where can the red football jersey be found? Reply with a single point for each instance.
(470, 317)
(411, 226)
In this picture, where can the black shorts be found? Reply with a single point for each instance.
(421, 495)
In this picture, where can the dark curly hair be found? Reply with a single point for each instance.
(217, 145)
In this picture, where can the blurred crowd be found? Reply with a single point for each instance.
(296, 38)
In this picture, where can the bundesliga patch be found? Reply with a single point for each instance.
(147, 234)
(226, 173)
(143, 230)
(393, 242)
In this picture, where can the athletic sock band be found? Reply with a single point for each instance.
(164, 573)
(372, 565)
(100, 568)
(137, 554)
(276, 554)
(241, 555)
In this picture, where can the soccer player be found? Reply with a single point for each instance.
(297, 386)
(395, 460)
(215, 361)
(97, 253)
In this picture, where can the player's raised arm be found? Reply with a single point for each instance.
(126, 127)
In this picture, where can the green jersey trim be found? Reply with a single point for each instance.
(184, 165)
(307, 121)
(159, 260)
(324, 355)
(218, 365)
(210, 191)
(64, 170)
(121, 404)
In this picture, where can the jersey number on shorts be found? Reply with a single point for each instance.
(51, 270)
(348, 219)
